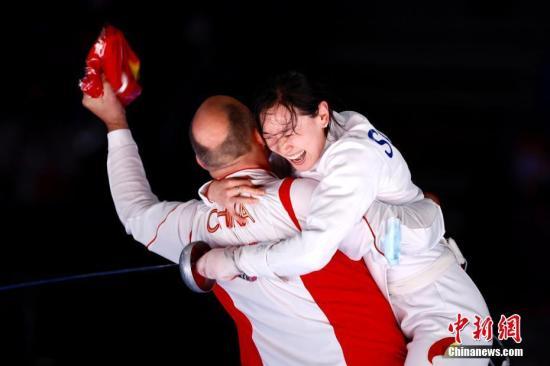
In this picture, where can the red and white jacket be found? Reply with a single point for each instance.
(335, 316)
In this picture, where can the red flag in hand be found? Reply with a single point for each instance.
(112, 56)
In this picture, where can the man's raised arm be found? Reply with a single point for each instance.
(158, 225)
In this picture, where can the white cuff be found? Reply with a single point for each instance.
(119, 138)
(252, 260)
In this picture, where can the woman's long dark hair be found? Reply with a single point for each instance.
(293, 91)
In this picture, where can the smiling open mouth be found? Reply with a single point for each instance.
(297, 159)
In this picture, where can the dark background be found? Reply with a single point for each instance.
(461, 87)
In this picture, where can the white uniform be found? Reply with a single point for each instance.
(358, 165)
(428, 288)
(323, 318)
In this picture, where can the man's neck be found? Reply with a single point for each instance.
(240, 164)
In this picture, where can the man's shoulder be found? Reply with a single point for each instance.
(295, 195)
(271, 218)
(296, 187)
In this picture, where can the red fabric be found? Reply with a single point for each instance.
(362, 318)
(360, 315)
(249, 353)
(439, 348)
(284, 196)
(112, 56)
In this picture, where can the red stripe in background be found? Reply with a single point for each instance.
(249, 353)
(360, 315)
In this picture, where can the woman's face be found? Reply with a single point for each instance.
(302, 145)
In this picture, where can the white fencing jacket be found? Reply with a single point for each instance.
(359, 165)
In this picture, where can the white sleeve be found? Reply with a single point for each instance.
(301, 191)
(203, 190)
(252, 259)
(161, 226)
(353, 172)
(422, 224)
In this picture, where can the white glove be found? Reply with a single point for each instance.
(219, 264)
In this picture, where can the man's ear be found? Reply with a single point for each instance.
(258, 137)
(200, 162)
(323, 113)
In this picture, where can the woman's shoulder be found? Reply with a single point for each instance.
(351, 118)
(349, 137)
(349, 123)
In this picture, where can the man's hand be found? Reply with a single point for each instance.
(218, 264)
(107, 107)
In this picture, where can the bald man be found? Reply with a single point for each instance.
(334, 316)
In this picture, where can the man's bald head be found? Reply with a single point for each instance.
(221, 131)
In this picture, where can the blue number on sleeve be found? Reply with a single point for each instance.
(372, 135)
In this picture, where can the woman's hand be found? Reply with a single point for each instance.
(231, 192)
(218, 264)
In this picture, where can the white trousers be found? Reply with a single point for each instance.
(425, 314)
